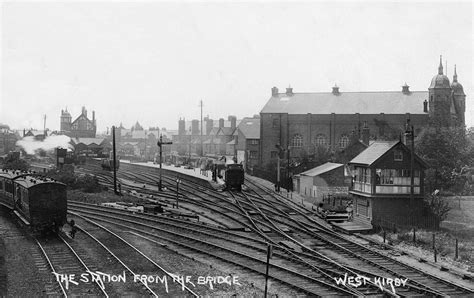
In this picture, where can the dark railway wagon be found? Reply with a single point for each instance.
(108, 164)
(40, 201)
(234, 177)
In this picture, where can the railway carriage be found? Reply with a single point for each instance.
(40, 201)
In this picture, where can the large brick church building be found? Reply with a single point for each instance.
(303, 121)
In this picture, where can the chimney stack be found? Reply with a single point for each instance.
(209, 125)
(195, 127)
(335, 90)
(289, 91)
(221, 122)
(181, 127)
(274, 91)
(365, 134)
(93, 117)
(233, 121)
(405, 89)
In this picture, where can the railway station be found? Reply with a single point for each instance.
(239, 149)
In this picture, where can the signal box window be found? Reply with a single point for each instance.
(398, 155)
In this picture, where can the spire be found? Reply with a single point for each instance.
(455, 76)
(440, 68)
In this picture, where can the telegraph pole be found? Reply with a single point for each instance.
(114, 160)
(202, 149)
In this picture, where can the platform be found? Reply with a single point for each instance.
(352, 227)
(190, 172)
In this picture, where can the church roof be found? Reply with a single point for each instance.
(388, 102)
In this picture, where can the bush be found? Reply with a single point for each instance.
(87, 183)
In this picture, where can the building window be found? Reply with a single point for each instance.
(274, 154)
(398, 155)
(254, 142)
(320, 140)
(253, 155)
(343, 142)
(297, 141)
(275, 123)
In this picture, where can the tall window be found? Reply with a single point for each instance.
(343, 142)
(275, 123)
(297, 141)
(320, 140)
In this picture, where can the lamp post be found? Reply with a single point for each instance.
(160, 144)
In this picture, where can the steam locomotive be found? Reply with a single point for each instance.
(39, 201)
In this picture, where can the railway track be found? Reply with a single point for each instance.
(247, 257)
(285, 213)
(349, 252)
(63, 261)
(141, 271)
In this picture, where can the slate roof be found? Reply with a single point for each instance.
(329, 166)
(388, 102)
(250, 128)
(373, 152)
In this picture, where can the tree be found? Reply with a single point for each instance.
(438, 205)
(447, 151)
(17, 164)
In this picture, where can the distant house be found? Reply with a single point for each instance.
(38, 135)
(248, 142)
(325, 180)
(380, 187)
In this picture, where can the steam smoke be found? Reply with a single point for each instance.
(30, 145)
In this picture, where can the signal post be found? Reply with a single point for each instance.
(160, 144)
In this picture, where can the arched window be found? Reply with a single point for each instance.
(297, 141)
(343, 142)
(320, 140)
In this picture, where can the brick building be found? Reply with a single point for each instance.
(304, 121)
(81, 127)
(247, 142)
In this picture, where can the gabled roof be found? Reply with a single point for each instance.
(373, 152)
(226, 131)
(250, 128)
(388, 102)
(214, 131)
(34, 133)
(83, 117)
(327, 167)
(378, 149)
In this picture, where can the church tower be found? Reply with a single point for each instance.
(66, 118)
(441, 103)
(459, 99)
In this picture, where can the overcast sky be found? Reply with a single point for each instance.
(154, 61)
